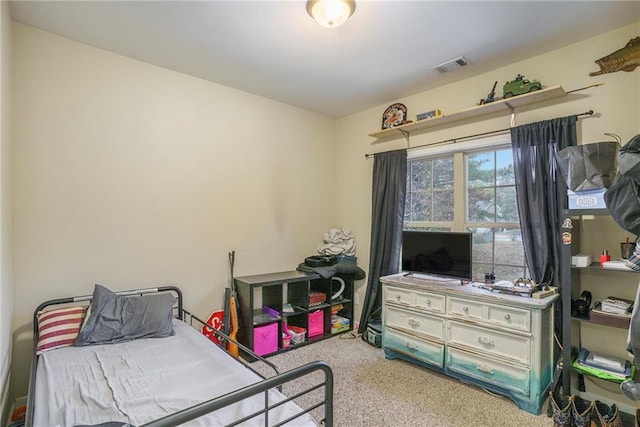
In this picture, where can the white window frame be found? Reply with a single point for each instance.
(460, 150)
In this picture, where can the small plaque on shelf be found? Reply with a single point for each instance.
(428, 115)
(589, 199)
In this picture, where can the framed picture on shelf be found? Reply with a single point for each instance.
(394, 115)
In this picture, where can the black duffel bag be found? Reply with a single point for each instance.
(321, 260)
(629, 159)
(623, 202)
(623, 197)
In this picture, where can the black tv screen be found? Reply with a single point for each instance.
(437, 253)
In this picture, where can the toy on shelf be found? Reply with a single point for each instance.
(491, 97)
(520, 85)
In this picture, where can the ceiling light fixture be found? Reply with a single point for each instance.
(331, 13)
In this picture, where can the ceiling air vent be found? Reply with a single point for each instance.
(451, 65)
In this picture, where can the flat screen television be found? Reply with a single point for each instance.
(437, 253)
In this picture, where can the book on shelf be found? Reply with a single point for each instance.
(603, 366)
(616, 265)
(616, 305)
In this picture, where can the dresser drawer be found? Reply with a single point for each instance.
(413, 321)
(511, 317)
(500, 344)
(499, 315)
(465, 308)
(399, 296)
(425, 351)
(422, 300)
(430, 302)
(513, 378)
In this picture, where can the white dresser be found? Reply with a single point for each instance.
(500, 342)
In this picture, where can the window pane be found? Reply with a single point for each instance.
(481, 205)
(420, 207)
(420, 176)
(443, 205)
(478, 270)
(423, 177)
(507, 208)
(508, 248)
(480, 170)
(504, 272)
(443, 173)
(482, 244)
(504, 168)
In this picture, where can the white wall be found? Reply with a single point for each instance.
(616, 104)
(131, 175)
(6, 249)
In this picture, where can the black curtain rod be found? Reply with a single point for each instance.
(454, 140)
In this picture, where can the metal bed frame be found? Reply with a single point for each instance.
(217, 403)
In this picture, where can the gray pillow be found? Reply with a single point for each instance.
(115, 318)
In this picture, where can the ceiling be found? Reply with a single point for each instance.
(384, 52)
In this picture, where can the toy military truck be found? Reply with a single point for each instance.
(519, 86)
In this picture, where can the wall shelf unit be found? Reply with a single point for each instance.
(571, 219)
(507, 105)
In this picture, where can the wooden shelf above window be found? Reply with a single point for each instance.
(507, 105)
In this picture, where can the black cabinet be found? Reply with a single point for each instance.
(280, 311)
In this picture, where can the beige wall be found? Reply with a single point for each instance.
(130, 175)
(6, 249)
(616, 105)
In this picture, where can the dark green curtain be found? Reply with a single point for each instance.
(389, 188)
(541, 192)
(542, 195)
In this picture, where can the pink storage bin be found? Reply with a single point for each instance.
(265, 339)
(316, 323)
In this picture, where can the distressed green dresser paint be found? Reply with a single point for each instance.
(500, 342)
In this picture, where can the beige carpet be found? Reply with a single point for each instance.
(372, 391)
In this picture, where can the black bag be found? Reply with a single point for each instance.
(629, 159)
(321, 260)
(623, 202)
(588, 166)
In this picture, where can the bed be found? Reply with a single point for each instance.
(121, 363)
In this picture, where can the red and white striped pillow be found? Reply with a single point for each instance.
(59, 327)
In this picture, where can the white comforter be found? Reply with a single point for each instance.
(142, 380)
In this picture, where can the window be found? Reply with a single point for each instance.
(470, 191)
(430, 194)
(492, 214)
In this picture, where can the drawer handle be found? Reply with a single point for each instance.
(414, 322)
(507, 317)
(485, 369)
(412, 346)
(465, 309)
(428, 302)
(486, 341)
(398, 297)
